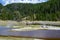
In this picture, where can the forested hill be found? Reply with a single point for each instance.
(43, 11)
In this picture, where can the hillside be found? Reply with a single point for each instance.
(43, 11)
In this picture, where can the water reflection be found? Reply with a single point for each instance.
(33, 34)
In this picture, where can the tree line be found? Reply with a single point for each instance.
(47, 11)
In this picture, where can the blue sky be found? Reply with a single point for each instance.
(5, 2)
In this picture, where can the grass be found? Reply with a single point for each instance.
(16, 24)
(14, 38)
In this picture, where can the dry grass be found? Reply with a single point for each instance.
(14, 38)
(16, 24)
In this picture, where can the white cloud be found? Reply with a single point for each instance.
(5, 2)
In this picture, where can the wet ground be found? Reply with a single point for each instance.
(45, 34)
